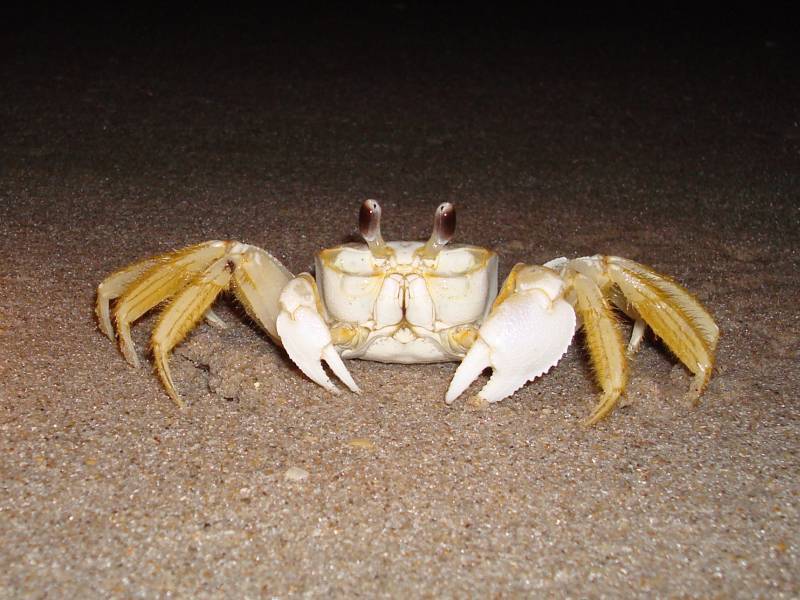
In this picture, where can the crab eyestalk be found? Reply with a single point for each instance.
(369, 224)
(444, 226)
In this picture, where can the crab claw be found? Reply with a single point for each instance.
(305, 335)
(526, 333)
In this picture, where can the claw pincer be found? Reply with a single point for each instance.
(526, 333)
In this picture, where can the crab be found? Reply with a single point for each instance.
(417, 302)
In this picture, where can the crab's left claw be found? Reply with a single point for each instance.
(528, 330)
(305, 335)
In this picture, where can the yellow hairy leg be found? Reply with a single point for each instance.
(672, 313)
(170, 273)
(182, 314)
(259, 280)
(113, 287)
(605, 344)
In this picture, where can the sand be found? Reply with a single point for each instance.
(682, 153)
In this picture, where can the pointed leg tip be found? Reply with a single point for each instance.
(105, 326)
(131, 357)
(601, 411)
(171, 392)
(698, 385)
(177, 400)
(591, 420)
(215, 320)
(693, 395)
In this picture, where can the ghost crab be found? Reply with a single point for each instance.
(415, 302)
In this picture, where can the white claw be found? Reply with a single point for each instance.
(336, 364)
(524, 336)
(306, 337)
(476, 360)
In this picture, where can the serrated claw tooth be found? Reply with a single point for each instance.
(501, 385)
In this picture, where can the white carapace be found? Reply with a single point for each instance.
(407, 308)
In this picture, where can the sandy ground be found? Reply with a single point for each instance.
(682, 153)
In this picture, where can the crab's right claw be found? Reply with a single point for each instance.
(305, 335)
(526, 333)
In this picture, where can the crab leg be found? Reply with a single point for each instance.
(182, 314)
(190, 279)
(258, 282)
(168, 276)
(113, 287)
(306, 336)
(637, 335)
(618, 299)
(526, 333)
(604, 342)
(214, 319)
(672, 313)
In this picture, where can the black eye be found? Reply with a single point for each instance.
(447, 221)
(369, 218)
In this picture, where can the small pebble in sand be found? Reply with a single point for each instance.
(295, 474)
(361, 443)
(475, 402)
